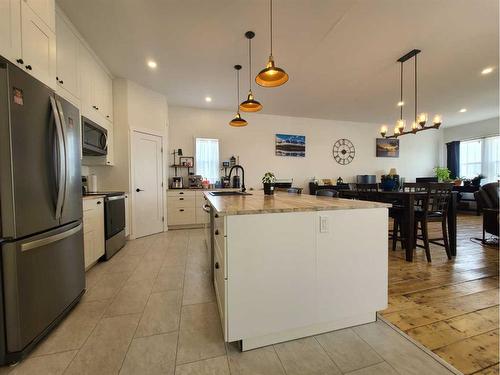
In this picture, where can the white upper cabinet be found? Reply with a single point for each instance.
(67, 59)
(45, 9)
(38, 46)
(10, 30)
(95, 89)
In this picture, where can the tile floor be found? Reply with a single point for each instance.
(151, 310)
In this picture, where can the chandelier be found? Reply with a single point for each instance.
(420, 120)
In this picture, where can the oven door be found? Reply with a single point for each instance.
(114, 214)
(94, 138)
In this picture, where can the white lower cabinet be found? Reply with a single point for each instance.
(93, 230)
(185, 207)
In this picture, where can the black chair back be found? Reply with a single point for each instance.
(439, 197)
(326, 193)
(366, 187)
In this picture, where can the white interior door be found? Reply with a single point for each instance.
(147, 191)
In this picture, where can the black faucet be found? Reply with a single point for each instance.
(243, 189)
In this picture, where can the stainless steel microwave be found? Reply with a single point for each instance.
(94, 138)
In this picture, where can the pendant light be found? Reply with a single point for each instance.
(271, 76)
(250, 105)
(238, 121)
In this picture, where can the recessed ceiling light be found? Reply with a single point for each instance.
(208, 99)
(152, 64)
(487, 70)
(463, 110)
(401, 103)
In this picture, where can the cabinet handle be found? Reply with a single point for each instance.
(217, 265)
(61, 82)
(181, 210)
(181, 199)
(217, 232)
(107, 116)
(181, 192)
(216, 215)
(98, 202)
(20, 61)
(28, 67)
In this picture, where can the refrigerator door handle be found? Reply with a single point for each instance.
(48, 240)
(64, 133)
(61, 156)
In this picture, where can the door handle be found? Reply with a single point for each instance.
(61, 159)
(138, 190)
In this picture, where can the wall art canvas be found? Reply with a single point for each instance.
(290, 145)
(387, 148)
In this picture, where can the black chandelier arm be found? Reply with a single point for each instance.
(416, 91)
(413, 131)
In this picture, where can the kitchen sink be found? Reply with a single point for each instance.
(224, 193)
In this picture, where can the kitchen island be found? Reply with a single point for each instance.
(289, 266)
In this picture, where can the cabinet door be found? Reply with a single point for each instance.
(108, 99)
(38, 47)
(67, 57)
(86, 81)
(10, 29)
(99, 249)
(45, 9)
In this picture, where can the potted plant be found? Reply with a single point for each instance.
(268, 181)
(442, 173)
(476, 181)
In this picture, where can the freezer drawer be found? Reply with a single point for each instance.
(42, 276)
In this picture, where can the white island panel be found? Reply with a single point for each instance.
(271, 269)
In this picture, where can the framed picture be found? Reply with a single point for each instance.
(387, 148)
(290, 145)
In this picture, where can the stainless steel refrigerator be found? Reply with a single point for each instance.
(41, 238)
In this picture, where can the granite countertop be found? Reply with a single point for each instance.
(258, 203)
(93, 196)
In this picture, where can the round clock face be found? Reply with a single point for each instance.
(343, 151)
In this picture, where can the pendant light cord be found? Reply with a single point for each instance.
(238, 90)
(271, 27)
(416, 88)
(250, 63)
(401, 95)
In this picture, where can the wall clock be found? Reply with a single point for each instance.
(343, 151)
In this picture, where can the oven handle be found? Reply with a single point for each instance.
(114, 198)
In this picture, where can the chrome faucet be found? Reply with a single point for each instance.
(243, 189)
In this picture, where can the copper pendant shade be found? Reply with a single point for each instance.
(238, 121)
(271, 75)
(250, 105)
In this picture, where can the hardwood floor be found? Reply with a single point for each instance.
(451, 307)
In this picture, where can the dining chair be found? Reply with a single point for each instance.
(397, 212)
(326, 193)
(434, 209)
(362, 189)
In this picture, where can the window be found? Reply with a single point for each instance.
(207, 159)
(470, 158)
(480, 156)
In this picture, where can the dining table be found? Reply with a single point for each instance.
(405, 200)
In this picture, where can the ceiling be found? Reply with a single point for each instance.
(340, 54)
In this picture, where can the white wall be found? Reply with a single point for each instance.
(254, 144)
(471, 130)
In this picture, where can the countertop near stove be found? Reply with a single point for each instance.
(93, 196)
